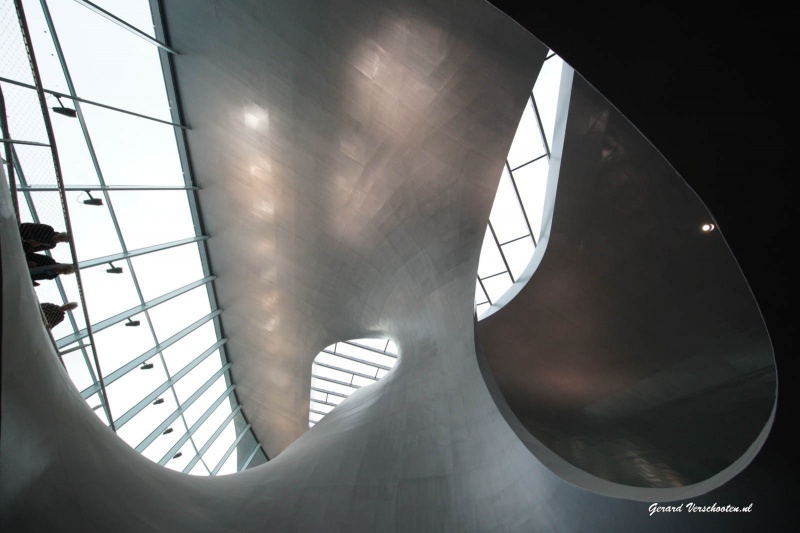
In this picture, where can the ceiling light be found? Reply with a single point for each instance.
(92, 200)
(66, 111)
(708, 227)
(177, 455)
(114, 270)
(166, 431)
(132, 323)
(158, 401)
(146, 366)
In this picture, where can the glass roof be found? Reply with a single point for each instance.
(515, 223)
(152, 362)
(344, 367)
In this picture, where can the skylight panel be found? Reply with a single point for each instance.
(344, 367)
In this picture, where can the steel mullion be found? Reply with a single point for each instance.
(230, 450)
(116, 319)
(319, 412)
(357, 360)
(485, 293)
(181, 408)
(170, 382)
(521, 205)
(250, 456)
(183, 155)
(212, 439)
(515, 240)
(359, 374)
(140, 251)
(370, 348)
(534, 160)
(325, 391)
(121, 23)
(31, 143)
(59, 284)
(494, 236)
(75, 98)
(539, 123)
(60, 181)
(325, 402)
(84, 188)
(331, 380)
(199, 422)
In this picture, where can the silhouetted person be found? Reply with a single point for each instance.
(44, 267)
(40, 237)
(54, 314)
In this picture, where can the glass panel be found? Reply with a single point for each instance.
(148, 218)
(196, 410)
(322, 384)
(13, 62)
(365, 355)
(163, 443)
(131, 388)
(362, 382)
(546, 93)
(76, 163)
(532, 184)
(211, 424)
(161, 272)
(214, 454)
(491, 262)
(108, 294)
(92, 227)
(329, 373)
(108, 63)
(507, 218)
(316, 406)
(192, 381)
(37, 164)
(188, 348)
(175, 314)
(184, 456)
(133, 150)
(199, 470)
(481, 308)
(24, 115)
(229, 467)
(345, 364)
(518, 254)
(140, 426)
(119, 344)
(497, 286)
(527, 144)
(392, 348)
(480, 296)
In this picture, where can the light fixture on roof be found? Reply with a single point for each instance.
(132, 323)
(158, 401)
(92, 200)
(177, 455)
(707, 227)
(167, 431)
(146, 366)
(113, 269)
(61, 110)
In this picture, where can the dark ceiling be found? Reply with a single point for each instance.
(711, 90)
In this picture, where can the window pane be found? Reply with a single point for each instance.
(527, 144)
(131, 388)
(152, 217)
(140, 426)
(161, 272)
(532, 184)
(491, 262)
(518, 254)
(507, 218)
(119, 344)
(188, 348)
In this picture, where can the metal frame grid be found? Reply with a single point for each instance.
(344, 367)
(494, 284)
(82, 329)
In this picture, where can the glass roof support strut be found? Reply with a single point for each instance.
(60, 181)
